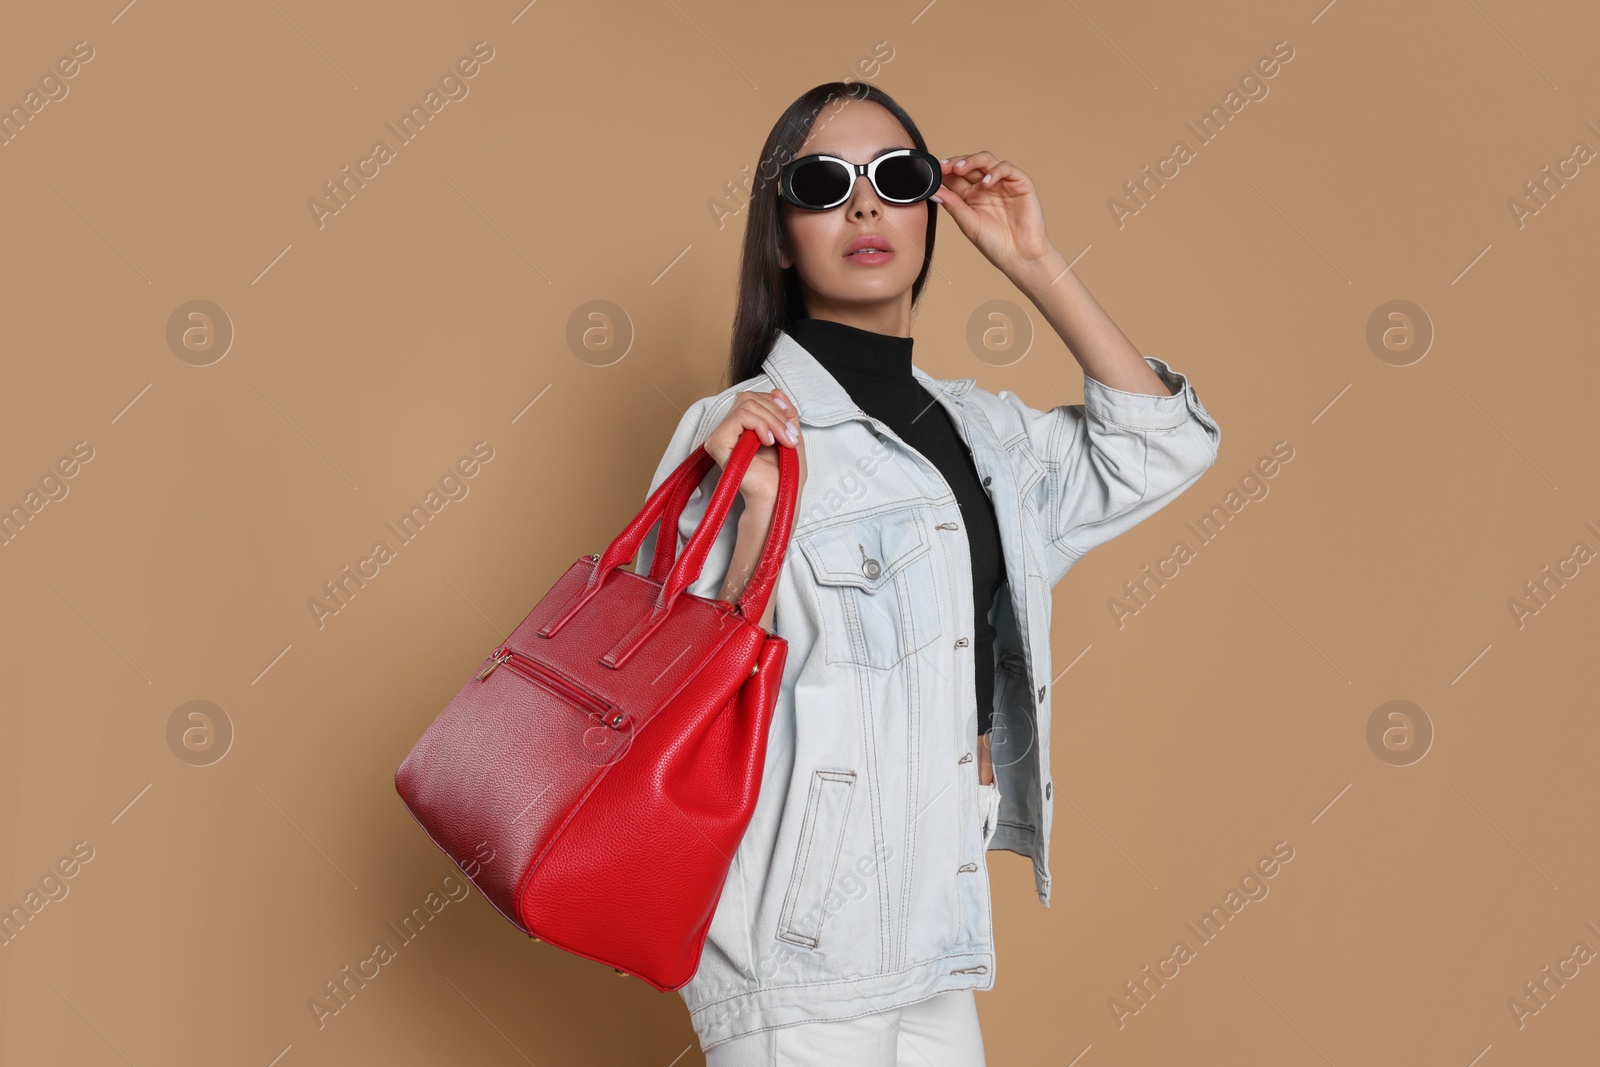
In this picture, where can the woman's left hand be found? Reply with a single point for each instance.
(997, 207)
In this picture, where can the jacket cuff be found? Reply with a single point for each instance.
(1142, 411)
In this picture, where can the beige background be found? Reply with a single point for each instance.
(369, 354)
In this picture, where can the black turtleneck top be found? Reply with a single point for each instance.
(875, 369)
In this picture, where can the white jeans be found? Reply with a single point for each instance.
(941, 1031)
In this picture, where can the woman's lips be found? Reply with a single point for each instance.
(868, 259)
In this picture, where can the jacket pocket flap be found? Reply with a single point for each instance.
(865, 553)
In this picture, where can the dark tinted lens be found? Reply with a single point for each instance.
(819, 182)
(905, 178)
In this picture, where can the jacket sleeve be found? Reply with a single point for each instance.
(1114, 460)
(695, 426)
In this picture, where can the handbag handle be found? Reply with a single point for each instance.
(666, 551)
(672, 493)
(666, 548)
(669, 499)
(759, 587)
(753, 601)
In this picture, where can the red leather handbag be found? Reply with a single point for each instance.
(595, 776)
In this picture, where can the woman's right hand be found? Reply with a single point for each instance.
(774, 419)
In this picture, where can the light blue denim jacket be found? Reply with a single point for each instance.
(860, 884)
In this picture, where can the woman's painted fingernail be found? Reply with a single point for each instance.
(778, 400)
(961, 162)
(944, 161)
(794, 433)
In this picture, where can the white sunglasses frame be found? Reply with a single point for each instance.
(857, 170)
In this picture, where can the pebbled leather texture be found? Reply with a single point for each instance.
(597, 800)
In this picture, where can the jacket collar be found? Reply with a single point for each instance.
(821, 399)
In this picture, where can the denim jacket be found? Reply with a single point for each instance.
(860, 884)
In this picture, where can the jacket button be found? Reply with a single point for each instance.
(1047, 790)
(871, 568)
(961, 642)
(1041, 692)
(986, 481)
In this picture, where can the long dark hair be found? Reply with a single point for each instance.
(769, 294)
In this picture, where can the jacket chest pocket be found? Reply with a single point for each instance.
(875, 587)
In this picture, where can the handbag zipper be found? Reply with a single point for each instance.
(607, 712)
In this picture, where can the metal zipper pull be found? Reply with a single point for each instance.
(488, 670)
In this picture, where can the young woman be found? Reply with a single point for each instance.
(912, 731)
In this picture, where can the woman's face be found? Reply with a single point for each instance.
(868, 289)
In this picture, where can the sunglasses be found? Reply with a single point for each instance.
(820, 182)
